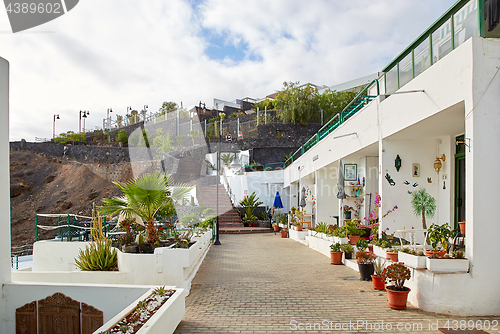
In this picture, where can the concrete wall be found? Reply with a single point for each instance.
(4, 191)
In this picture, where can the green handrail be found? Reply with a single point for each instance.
(358, 103)
(270, 165)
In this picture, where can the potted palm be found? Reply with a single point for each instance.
(250, 204)
(377, 279)
(144, 197)
(336, 253)
(365, 264)
(423, 204)
(397, 294)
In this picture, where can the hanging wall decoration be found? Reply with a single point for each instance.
(397, 163)
(415, 170)
(390, 180)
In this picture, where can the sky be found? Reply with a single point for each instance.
(121, 53)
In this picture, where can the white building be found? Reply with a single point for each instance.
(442, 89)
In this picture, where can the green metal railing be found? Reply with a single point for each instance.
(358, 103)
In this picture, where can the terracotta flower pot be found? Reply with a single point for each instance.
(378, 282)
(393, 256)
(336, 257)
(439, 254)
(397, 299)
(284, 233)
(276, 228)
(353, 239)
(299, 227)
(462, 227)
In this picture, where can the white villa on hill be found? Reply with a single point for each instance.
(439, 97)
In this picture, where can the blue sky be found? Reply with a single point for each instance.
(115, 54)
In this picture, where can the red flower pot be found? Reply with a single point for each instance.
(462, 227)
(378, 282)
(397, 299)
(393, 256)
(284, 233)
(299, 227)
(276, 228)
(336, 257)
(353, 239)
(439, 254)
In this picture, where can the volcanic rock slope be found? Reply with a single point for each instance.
(51, 185)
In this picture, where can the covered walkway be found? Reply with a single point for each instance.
(261, 283)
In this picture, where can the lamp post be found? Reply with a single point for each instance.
(144, 111)
(84, 113)
(217, 241)
(127, 115)
(108, 120)
(54, 127)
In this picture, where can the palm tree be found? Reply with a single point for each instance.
(144, 197)
(423, 204)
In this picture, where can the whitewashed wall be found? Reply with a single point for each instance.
(4, 190)
(258, 182)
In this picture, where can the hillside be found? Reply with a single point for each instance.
(50, 185)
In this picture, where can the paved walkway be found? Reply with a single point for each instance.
(261, 283)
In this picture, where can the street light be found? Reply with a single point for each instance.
(85, 113)
(127, 115)
(54, 127)
(217, 241)
(144, 111)
(108, 120)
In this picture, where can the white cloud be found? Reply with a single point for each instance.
(114, 54)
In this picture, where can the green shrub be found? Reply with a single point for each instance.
(122, 137)
(98, 256)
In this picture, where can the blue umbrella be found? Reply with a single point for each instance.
(277, 201)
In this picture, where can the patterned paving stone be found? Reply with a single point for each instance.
(261, 283)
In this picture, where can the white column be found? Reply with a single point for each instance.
(4, 188)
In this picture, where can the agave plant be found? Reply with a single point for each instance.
(423, 204)
(98, 256)
(145, 196)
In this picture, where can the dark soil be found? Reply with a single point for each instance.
(50, 185)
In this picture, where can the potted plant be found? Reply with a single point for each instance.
(353, 232)
(362, 244)
(377, 279)
(276, 227)
(336, 253)
(284, 232)
(298, 225)
(250, 204)
(423, 204)
(365, 264)
(397, 294)
(347, 211)
(348, 249)
(438, 236)
(392, 254)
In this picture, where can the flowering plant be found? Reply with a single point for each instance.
(126, 238)
(397, 273)
(347, 208)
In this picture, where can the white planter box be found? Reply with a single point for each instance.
(297, 235)
(341, 240)
(319, 245)
(447, 265)
(165, 320)
(379, 251)
(413, 261)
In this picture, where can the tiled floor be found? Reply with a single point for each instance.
(261, 283)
